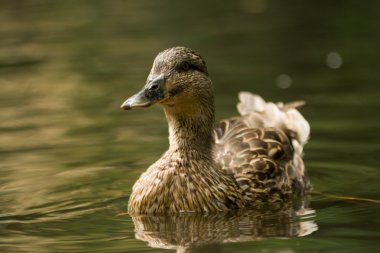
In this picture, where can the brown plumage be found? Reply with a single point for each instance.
(252, 160)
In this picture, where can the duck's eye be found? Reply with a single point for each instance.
(154, 86)
(185, 66)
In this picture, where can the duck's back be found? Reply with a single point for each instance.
(262, 149)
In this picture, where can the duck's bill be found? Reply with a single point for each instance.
(137, 100)
(152, 93)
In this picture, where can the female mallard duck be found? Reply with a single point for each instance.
(252, 160)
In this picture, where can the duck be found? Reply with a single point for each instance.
(253, 160)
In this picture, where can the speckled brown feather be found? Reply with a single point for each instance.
(251, 160)
(263, 162)
(177, 184)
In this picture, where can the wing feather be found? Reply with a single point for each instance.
(262, 149)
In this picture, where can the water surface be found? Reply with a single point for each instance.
(69, 155)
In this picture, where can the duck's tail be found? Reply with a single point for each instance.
(257, 111)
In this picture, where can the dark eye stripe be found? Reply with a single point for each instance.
(190, 66)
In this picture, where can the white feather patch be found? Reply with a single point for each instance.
(258, 113)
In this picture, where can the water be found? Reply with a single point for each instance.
(69, 155)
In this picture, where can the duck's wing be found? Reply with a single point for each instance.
(262, 149)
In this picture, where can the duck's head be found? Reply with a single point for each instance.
(178, 80)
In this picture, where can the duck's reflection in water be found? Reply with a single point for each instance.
(189, 232)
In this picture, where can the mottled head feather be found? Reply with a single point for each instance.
(170, 60)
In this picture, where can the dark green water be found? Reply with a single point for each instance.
(69, 155)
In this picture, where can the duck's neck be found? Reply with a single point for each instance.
(191, 130)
